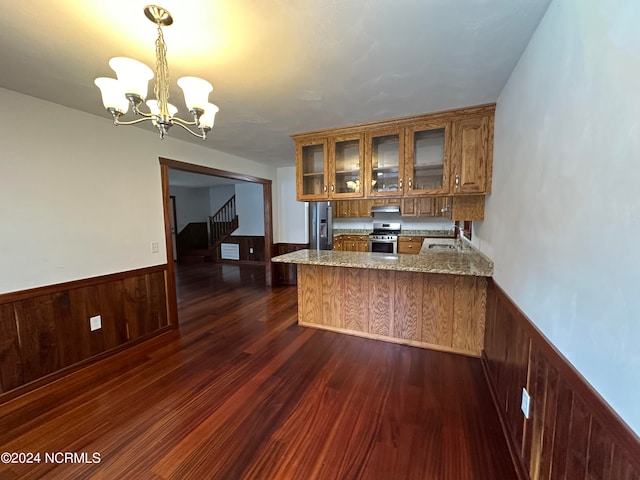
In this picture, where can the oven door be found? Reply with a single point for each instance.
(383, 246)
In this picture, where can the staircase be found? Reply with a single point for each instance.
(194, 244)
(223, 223)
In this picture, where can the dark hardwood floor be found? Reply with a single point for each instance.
(242, 392)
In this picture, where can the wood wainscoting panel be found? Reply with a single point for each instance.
(37, 337)
(571, 431)
(11, 371)
(45, 332)
(286, 273)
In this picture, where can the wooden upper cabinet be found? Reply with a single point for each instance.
(312, 170)
(384, 162)
(438, 154)
(427, 159)
(472, 151)
(346, 155)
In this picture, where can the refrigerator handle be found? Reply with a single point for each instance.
(329, 226)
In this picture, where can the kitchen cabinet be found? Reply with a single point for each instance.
(352, 208)
(352, 243)
(341, 209)
(384, 162)
(433, 155)
(426, 207)
(345, 166)
(312, 170)
(329, 168)
(337, 242)
(426, 160)
(410, 244)
(472, 153)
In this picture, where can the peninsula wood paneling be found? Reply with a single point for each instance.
(439, 311)
(572, 433)
(309, 301)
(356, 289)
(381, 294)
(408, 307)
(332, 293)
(45, 331)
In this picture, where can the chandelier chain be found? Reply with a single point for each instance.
(161, 87)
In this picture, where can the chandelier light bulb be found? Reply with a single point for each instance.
(196, 92)
(113, 97)
(154, 108)
(133, 75)
(208, 117)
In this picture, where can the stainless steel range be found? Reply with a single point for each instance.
(384, 237)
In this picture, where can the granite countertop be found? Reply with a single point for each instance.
(403, 233)
(468, 261)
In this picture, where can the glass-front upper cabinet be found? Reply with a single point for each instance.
(312, 172)
(346, 159)
(427, 159)
(384, 169)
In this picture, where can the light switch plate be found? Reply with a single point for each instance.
(155, 248)
(524, 406)
(95, 323)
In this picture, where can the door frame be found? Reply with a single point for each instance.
(165, 165)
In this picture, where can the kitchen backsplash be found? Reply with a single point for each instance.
(407, 223)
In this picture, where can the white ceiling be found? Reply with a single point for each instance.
(278, 67)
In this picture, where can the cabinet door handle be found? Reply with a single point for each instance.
(457, 181)
(333, 187)
(400, 184)
(410, 184)
(325, 188)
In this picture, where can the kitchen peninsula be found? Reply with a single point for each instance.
(436, 299)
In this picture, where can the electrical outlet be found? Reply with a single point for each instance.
(155, 248)
(524, 406)
(250, 249)
(95, 323)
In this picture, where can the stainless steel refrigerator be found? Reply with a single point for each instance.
(320, 226)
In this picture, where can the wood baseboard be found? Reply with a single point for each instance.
(571, 432)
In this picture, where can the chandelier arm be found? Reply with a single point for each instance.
(179, 121)
(202, 135)
(133, 122)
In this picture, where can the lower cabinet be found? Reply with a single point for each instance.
(351, 243)
(410, 244)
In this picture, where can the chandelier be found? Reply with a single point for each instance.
(130, 89)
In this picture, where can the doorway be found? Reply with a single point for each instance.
(165, 165)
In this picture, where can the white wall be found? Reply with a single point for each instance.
(219, 195)
(81, 198)
(293, 216)
(563, 223)
(406, 223)
(250, 209)
(192, 205)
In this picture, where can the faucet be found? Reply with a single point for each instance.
(460, 235)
